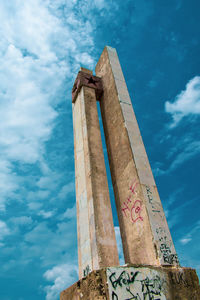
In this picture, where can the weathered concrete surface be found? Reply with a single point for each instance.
(145, 234)
(97, 246)
(136, 282)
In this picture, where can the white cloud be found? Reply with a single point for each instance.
(173, 198)
(99, 3)
(50, 245)
(8, 182)
(4, 230)
(63, 276)
(186, 103)
(26, 114)
(176, 213)
(38, 195)
(185, 241)
(191, 235)
(23, 220)
(34, 205)
(188, 150)
(66, 189)
(70, 213)
(46, 214)
(46, 182)
(39, 50)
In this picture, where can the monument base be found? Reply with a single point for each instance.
(136, 282)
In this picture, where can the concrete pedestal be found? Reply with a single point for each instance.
(138, 282)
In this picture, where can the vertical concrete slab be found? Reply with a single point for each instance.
(96, 236)
(84, 247)
(145, 234)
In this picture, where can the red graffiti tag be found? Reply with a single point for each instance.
(125, 208)
(136, 211)
(134, 207)
(129, 199)
(133, 187)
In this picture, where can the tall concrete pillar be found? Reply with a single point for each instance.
(97, 246)
(145, 234)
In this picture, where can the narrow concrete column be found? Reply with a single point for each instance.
(97, 246)
(145, 234)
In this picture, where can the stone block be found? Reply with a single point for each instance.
(136, 282)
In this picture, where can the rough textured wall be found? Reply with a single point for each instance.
(145, 234)
(84, 247)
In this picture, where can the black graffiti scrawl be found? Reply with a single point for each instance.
(86, 271)
(135, 284)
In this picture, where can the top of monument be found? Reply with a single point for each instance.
(86, 70)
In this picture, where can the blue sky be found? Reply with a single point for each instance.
(42, 46)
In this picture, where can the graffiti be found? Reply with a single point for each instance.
(179, 278)
(168, 257)
(165, 247)
(136, 211)
(133, 297)
(160, 231)
(86, 271)
(124, 208)
(135, 284)
(123, 279)
(151, 287)
(133, 187)
(150, 198)
(171, 259)
(149, 194)
(133, 206)
(114, 296)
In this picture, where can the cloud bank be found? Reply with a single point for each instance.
(39, 50)
(42, 45)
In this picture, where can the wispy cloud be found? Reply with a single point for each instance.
(186, 150)
(187, 102)
(46, 214)
(185, 241)
(172, 207)
(62, 277)
(70, 213)
(21, 221)
(189, 236)
(66, 190)
(189, 151)
(4, 230)
(189, 246)
(9, 182)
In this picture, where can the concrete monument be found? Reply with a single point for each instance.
(152, 269)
